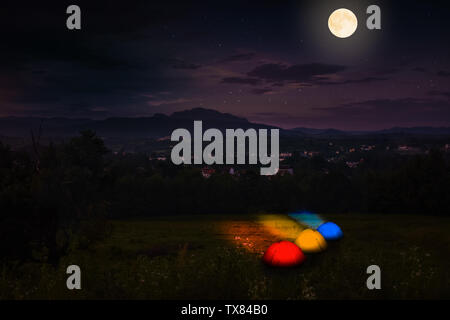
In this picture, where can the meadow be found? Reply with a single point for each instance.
(219, 257)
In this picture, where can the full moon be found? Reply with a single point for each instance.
(342, 23)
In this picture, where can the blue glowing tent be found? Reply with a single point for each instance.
(310, 219)
(330, 231)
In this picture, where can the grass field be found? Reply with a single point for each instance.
(219, 257)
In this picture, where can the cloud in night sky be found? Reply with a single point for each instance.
(143, 57)
(403, 112)
(419, 69)
(295, 73)
(349, 81)
(394, 107)
(261, 91)
(239, 57)
(238, 80)
(443, 73)
(440, 93)
(182, 64)
(369, 115)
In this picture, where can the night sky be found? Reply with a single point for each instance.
(272, 62)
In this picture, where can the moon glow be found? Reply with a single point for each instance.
(342, 23)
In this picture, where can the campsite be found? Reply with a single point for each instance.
(219, 257)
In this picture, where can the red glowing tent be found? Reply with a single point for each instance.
(284, 254)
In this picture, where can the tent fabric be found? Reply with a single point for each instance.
(284, 254)
(309, 219)
(311, 241)
(330, 231)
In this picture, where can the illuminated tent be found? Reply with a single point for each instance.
(330, 231)
(284, 254)
(311, 241)
(310, 219)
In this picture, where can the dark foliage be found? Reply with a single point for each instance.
(65, 200)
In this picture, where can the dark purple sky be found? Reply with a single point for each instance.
(273, 62)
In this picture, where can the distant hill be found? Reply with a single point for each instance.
(312, 131)
(156, 126)
(161, 125)
(417, 130)
(391, 131)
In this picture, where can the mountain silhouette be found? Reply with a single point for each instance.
(156, 126)
(161, 125)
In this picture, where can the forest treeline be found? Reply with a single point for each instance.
(59, 196)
